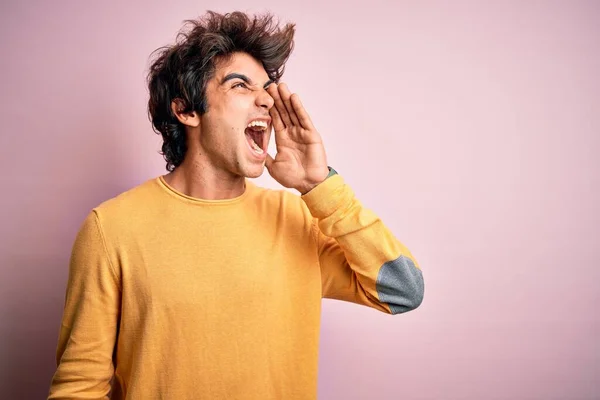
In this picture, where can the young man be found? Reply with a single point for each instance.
(200, 285)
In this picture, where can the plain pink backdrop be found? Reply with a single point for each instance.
(471, 128)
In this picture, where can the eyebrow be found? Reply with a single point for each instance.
(235, 75)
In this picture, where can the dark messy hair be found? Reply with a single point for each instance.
(180, 72)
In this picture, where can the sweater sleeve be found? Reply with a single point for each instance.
(361, 261)
(90, 319)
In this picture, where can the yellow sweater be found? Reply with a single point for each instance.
(179, 298)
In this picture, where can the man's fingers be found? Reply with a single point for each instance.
(269, 162)
(285, 95)
(279, 106)
(300, 111)
(276, 120)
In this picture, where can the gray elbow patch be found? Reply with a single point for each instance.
(400, 285)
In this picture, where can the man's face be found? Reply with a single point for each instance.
(235, 130)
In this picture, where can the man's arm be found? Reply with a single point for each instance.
(361, 260)
(89, 325)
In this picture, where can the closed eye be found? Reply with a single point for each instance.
(241, 84)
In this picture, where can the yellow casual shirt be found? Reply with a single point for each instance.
(173, 297)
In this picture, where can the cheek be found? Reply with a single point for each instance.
(236, 115)
(240, 104)
(222, 134)
(226, 120)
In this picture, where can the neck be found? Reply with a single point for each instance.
(200, 179)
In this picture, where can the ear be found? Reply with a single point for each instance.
(190, 118)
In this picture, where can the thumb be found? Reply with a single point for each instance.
(269, 162)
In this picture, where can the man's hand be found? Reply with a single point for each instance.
(300, 162)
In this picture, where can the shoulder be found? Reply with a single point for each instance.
(130, 199)
(284, 205)
(284, 200)
(128, 208)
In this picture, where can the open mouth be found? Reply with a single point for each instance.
(255, 134)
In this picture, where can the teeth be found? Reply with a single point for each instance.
(260, 124)
(257, 124)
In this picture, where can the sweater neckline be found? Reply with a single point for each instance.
(198, 201)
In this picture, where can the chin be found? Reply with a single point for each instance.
(254, 171)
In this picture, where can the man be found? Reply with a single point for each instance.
(201, 285)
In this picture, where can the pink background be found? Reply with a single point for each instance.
(472, 129)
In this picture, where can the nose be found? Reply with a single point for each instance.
(264, 100)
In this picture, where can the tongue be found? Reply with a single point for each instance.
(254, 129)
(250, 138)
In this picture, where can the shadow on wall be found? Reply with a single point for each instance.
(54, 188)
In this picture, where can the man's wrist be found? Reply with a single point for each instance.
(308, 187)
